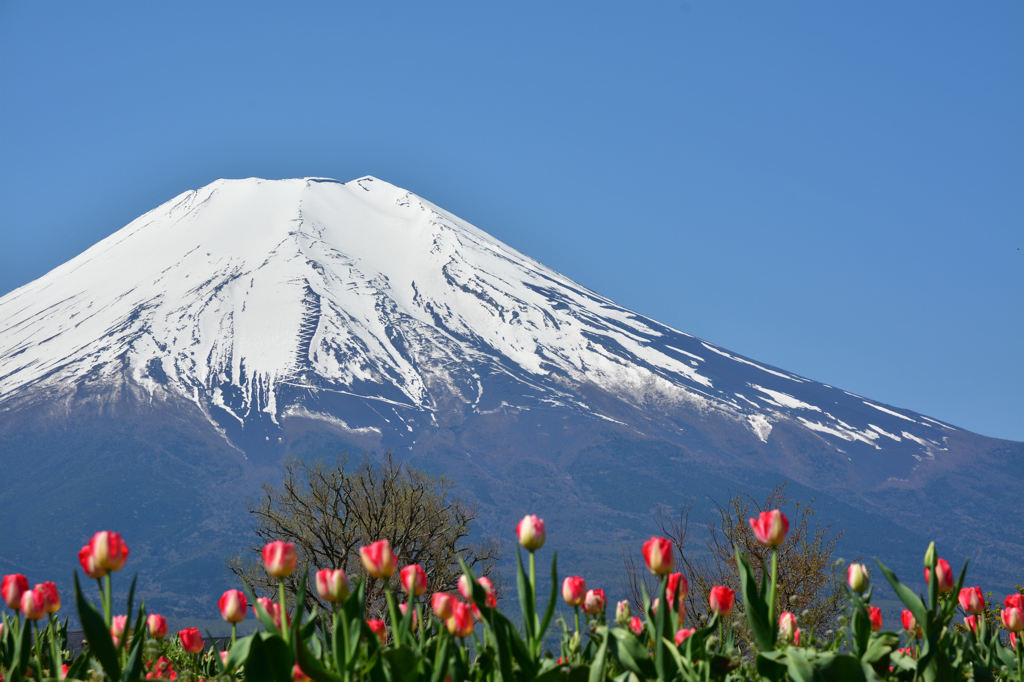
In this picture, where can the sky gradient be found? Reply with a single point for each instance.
(836, 189)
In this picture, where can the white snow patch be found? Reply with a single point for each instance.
(760, 425)
(882, 431)
(785, 400)
(895, 414)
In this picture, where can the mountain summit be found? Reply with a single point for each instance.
(151, 383)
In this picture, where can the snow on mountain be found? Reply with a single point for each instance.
(258, 299)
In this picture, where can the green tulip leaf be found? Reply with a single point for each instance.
(97, 634)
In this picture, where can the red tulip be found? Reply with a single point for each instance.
(1015, 600)
(13, 587)
(52, 596)
(280, 558)
(464, 589)
(233, 606)
(1013, 618)
(442, 603)
(594, 602)
(787, 626)
(945, 573)
(682, 634)
(658, 556)
(108, 550)
(298, 675)
(157, 625)
(857, 578)
(972, 623)
(1013, 641)
(910, 623)
(875, 616)
(907, 651)
(460, 623)
(574, 590)
(414, 580)
(531, 532)
(191, 640)
(770, 527)
(972, 600)
(33, 604)
(636, 625)
(681, 612)
(378, 559)
(118, 627)
(721, 600)
(678, 586)
(89, 565)
(332, 584)
(272, 609)
(380, 629)
(404, 607)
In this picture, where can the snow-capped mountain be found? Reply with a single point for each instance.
(367, 306)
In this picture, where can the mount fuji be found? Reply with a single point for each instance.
(153, 381)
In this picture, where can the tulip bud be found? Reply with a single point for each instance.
(972, 623)
(910, 623)
(658, 556)
(191, 640)
(636, 625)
(1013, 618)
(721, 600)
(13, 587)
(945, 575)
(574, 590)
(52, 596)
(109, 550)
(1013, 641)
(1015, 600)
(682, 634)
(594, 603)
(233, 606)
(404, 607)
(623, 613)
(414, 580)
(930, 555)
(678, 586)
(378, 559)
(380, 629)
(298, 675)
(972, 600)
(787, 627)
(460, 623)
(875, 616)
(857, 578)
(332, 585)
(531, 532)
(89, 565)
(273, 610)
(770, 527)
(33, 604)
(118, 627)
(465, 589)
(574, 643)
(224, 658)
(280, 558)
(157, 626)
(442, 603)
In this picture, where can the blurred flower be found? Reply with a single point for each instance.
(636, 625)
(89, 565)
(442, 603)
(280, 558)
(770, 527)
(233, 606)
(332, 584)
(787, 627)
(404, 607)
(379, 629)
(484, 582)
(594, 603)
(972, 600)
(658, 556)
(910, 623)
(680, 614)
(531, 532)
(191, 640)
(1013, 618)
(52, 596)
(33, 604)
(875, 616)
(460, 623)
(272, 609)
(678, 586)
(414, 580)
(574, 590)
(683, 633)
(721, 600)
(857, 578)
(623, 613)
(378, 559)
(118, 626)
(224, 658)
(945, 574)
(157, 625)
(109, 550)
(298, 675)
(907, 651)
(972, 623)
(13, 587)
(1015, 600)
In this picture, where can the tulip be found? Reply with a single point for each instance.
(118, 626)
(972, 623)
(464, 589)
(531, 532)
(272, 609)
(1015, 600)
(460, 623)
(636, 625)
(945, 574)
(224, 658)
(332, 585)
(930, 554)
(875, 616)
(233, 606)
(857, 578)
(298, 675)
(109, 550)
(574, 590)
(594, 603)
(910, 623)
(1013, 618)
(52, 596)
(681, 612)
(442, 603)
(477, 616)
(380, 629)
(33, 604)
(378, 559)
(787, 627)
(13, 587)
(414, 580)
(280, 558)
(658, 556)
(623, 612)
(1013, 641)
(89, 565)
(907, 651)
(191, 640)
(678, 586)
(770, 527)
(157, 625)
(682, 634)
(403, 607)
(721, 600)
(972, 600)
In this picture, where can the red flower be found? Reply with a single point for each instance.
(191, 640)
(233, 606)
(721, 600)
(332, 585)
(531, 532)
(157, 625)
(33, 604)
(272, 609)
(787, 626)
(658, 556)
(89, 565)
(379, 629)
(13, 587)
(1013, 618)
(594, 602)
(108, 550)
(1015, 600)
(414, 580)
(52, 596)
(118, 627)
(442, 603)
(910, 623)
(636, 625)
(678, 586)
(972, 623)
(770, 527)
(464, 590)
(415, 618)
(875, 616)
(945, 573)
(460, 623)
(298, 675)
(574, 590)
(682, 634)
(378, 559)
(280, 558)
(972, 600)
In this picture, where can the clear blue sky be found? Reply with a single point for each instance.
(836, 188)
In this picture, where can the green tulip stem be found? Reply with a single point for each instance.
(285, 630)
(392, 609)
(105, 598)
(38, 644)
(55, 655)
(234, 632)
(577, 610)
(533, 574)
(771, 594)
